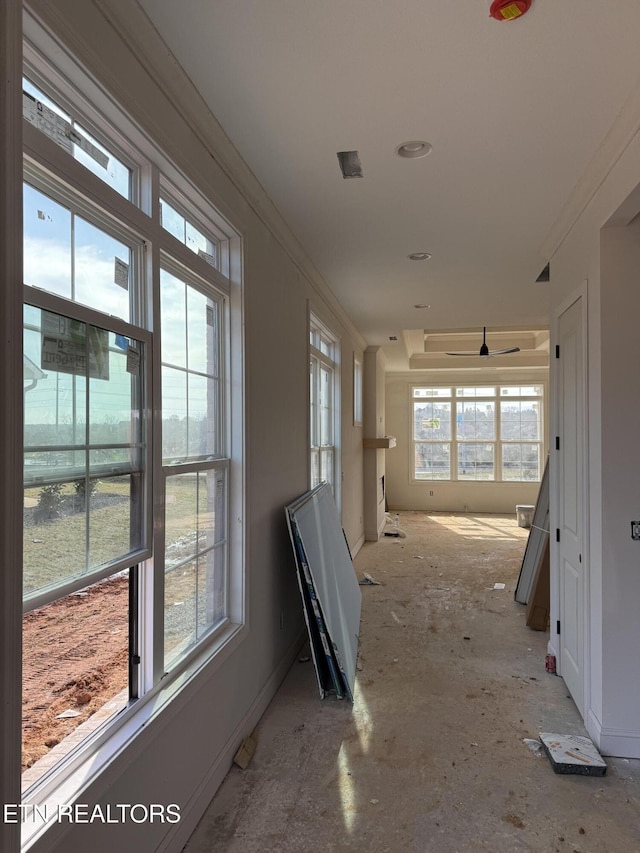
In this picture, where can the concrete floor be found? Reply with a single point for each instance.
(431, 757)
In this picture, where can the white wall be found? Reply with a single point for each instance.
(609, 262)
(183, 756)
(402, 493)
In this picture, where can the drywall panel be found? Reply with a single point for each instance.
(316, 520)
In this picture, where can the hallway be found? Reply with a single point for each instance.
(431, 758)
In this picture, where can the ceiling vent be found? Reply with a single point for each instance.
(350, 164)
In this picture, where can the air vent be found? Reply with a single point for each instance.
(350, 164)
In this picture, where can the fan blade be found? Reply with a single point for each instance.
(504, 351)
(462, 353)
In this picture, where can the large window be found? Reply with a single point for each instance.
(129, 319)
(484, 433)
(324, 422)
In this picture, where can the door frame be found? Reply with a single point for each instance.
(554, 647)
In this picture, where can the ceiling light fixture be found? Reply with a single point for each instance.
(413, 149)
(419, 256)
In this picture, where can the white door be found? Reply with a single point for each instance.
(571, 497)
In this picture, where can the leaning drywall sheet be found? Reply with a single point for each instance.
(333, 576)
(538, 538)
(326, 668)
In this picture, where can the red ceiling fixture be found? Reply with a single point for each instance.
(509, 10)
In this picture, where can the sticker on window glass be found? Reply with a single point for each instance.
(133, 360)
(47, 121)
(210, 259)
(209, 315)
(65, 347)
(121, 274)
(59, 129)
(88, 147)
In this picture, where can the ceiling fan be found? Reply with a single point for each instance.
(484, 349)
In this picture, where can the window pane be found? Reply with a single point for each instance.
(195, 558)
(475, 392)
(49, 118)
(432, 392)
(432, 461)
(521, 462)
(475, 461)
(202, 328)
(188, 234)
(115, 516)
(520, 421)
(102, 270)
(326, 465)
(521, 391)
(174, 408)
(326, 406)
(77, 516)
(47, 243)
(191, 396)
(179, 610)
(181, 519)
(476, 421)
(202, 420)
(432, 421)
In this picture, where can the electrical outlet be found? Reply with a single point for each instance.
(635, 529)
(431, 494)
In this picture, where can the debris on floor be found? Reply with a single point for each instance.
(367, 580)
(244, 755)
(573, 754)
(534, 745)
(499, 585)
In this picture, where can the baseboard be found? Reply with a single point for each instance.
(357, 547)
(616, 743)
(193, 811)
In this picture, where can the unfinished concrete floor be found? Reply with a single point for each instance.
(430, 757)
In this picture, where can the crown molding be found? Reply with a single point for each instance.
(621, 134)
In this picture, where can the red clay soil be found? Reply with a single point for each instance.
(74, 658)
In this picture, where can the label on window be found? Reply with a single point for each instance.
(66, 349)
(121, 274)
(59, 129)
(47, 121)
(133, 360)
(210, 259)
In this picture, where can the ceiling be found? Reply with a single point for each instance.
(515, 111)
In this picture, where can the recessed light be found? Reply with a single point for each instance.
(419, 256)
(422, 305)
(412, 150)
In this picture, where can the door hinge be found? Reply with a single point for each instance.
(557, 350)
(558, 627)
(135, 660)
(557, 534)
(557, 442)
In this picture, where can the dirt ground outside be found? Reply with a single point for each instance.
(75, 659)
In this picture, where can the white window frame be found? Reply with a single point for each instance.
(152, 174)
(324, 355)
(492, 395)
